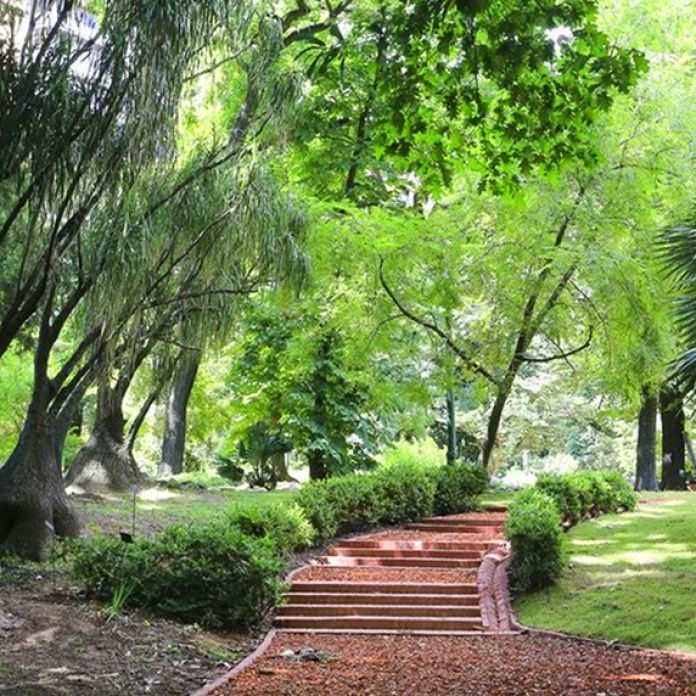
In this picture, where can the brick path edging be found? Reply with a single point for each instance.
(226, 678)
(249, 660)
(494, 592)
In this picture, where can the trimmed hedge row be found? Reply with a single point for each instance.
(536, 517)
(391, 495)
(227, 574)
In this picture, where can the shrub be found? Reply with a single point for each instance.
(623, 496)
(315, 500)
(406, 491)
(600, 495)
(458, 487)
(563, 490)
(214, 575)
(391, 495)
(286, 526)
(534, 530)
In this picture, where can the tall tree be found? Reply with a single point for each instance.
(646, 473)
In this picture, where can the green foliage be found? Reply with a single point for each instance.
(257, 448)
(391, 495)
(418, 452)
(535, 516)
(534, 530)
(597, 494)
(407, 492)
(587, 493)
(458, 488)
(214, 574)
(563, 490)
(623, 496)
(298, 386)
(285, 526)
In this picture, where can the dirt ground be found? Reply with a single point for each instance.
(54, 642)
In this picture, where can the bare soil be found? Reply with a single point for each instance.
(53, 642)
(398, 665)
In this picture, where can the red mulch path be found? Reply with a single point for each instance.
(339, 573)
(400, 665)
(416, 535)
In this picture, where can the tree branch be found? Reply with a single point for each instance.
(563, 355)
(434, 328)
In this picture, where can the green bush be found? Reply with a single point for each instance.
(406, 492)
(458, 487)
(316, 501)
(391, 495)
(564, 491)
(623, 496)
(534, 530)
(286, 526)
(213, 575)
(597, 490)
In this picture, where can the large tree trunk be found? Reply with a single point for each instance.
(34, 508)
(174, 440)
(646, 470)
(673, 446)
(673, 443)
(107, 458)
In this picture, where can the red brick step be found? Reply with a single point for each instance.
(406, 553)
(343, 587)
(379, 622)
(381, 561)
(391, 610)
(459, 600)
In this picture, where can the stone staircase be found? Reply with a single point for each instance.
(455, 543)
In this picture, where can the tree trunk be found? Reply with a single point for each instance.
(317, 466)
(107, 459)
(34, 508)
(174, 440)
(646, 470)
(451, 428)
(493, 427)
(673, 446)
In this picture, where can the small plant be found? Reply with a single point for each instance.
(119, 597)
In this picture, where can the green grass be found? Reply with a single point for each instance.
(498, 497)
(158, 508)
(632, 578)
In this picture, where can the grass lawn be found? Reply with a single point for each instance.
(632, 578)
(157, 508)
(498, 497)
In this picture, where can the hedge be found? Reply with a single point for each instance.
(553, 501)
(227, 574)
(535, 533)
(391, 495)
